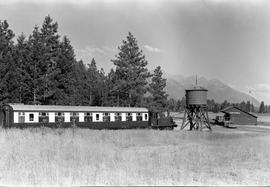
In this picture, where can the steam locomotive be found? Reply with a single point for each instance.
(92, 117)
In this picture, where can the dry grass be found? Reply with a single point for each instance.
(47, 157)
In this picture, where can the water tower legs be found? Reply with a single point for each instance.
(196, 117)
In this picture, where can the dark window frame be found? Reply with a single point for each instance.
(97, 117)
(31, 118)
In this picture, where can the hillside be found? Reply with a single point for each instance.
(217, 90)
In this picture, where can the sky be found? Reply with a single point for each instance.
(217, 39)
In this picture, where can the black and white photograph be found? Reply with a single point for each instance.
(134, 93)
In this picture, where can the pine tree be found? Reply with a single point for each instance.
(156, 89)
(34, 65)
(7, 64)
(64, 78)
(172, 104)
(261, 109)
(248, 106)
(92, 81)
(80, 87)
(102, 88)
(252, 108)
(265, 109)
(131, 73)
(243, 105)
(22, 61)
(113, 99)
(49, 60)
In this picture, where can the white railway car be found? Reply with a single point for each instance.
(20, 115)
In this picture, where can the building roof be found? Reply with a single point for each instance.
(224, 110)
(59, 108)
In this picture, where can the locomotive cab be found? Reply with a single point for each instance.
(161, 120)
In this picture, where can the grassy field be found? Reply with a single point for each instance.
(65, 157)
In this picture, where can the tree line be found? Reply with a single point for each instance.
(42, 69)
(213, 106)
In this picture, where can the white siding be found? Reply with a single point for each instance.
(51, 117)
(100, 117)
(134, 117)
(36, 116)
(112, 116)
(16, 117)
(27, 117)
(67, 116)
(81, 117)
(124, 117)
(145, 116)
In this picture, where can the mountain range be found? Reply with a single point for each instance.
(217, 90)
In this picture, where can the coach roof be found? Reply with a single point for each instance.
(60, 108)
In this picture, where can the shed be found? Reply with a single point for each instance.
(239, 116)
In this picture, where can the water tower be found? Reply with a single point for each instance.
(196, 114)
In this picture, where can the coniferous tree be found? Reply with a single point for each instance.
(248, 106)
(33, 66)
(112, 99)
(261, 109)
(252, 108)
(64, 78)
(171, 104)
(7, 64)
(92, 80)
(266, 109)
(158, 98)
(80, 87)
(131, 73)
(49, 60)
(102, 88)
(22, 61)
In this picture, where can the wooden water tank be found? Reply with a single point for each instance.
(196, 95)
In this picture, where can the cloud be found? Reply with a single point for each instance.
(261, 87)
(95, 50)
(260, 91)
(152, 49)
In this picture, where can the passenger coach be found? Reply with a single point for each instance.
(20, 115)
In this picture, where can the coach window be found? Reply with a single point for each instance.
(146, 116)
(43, 114)
(129, 117)
(118, 117)
(97, 117)
(21, 117)
(88, 114)
(31, 117)
(139, 117)
(106, 117)
(88, 117)
(59, 114)
(74, 114)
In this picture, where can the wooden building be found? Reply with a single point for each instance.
(239, 116)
